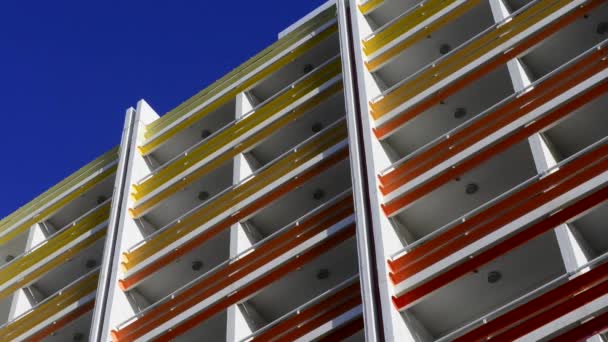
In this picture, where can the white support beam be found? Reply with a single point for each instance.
(371, 156)
(331, 325)
(570, 243)
(544, 158)
(242, 319)
(26, 298)
(246, 280)
(113, 305)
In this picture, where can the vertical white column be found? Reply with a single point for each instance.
(242, 318)
(572, 250)
(113, 306)
(572, 246)
(388, 237)
(28, 297)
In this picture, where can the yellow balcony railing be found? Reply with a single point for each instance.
(408, 21)
(165, 127)
(70, 295)
(143, 206)
(370, 5)
(263, 114)
(55, 198)
(233, 196)
(467, 53)
(67, 235)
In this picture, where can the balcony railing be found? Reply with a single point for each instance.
(366, 7)
(228, 142)
(309, 316)
(406, 194)
(488, 50)
(498, 116)
(494, 215)
(247, 75)
(193, 295)
(258, 255)
(58, 196)
(540, 306)
(234, 199)
(54, 251)
(283, 239)
(76, 294)
(407, 29)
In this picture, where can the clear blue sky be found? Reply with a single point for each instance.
(69, 69)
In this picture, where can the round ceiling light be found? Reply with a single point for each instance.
(471, 188)
(323, 274)
(197, 265)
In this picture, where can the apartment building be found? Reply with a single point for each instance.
(388, 170)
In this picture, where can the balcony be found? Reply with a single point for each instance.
(254, 71)
(58, 249)
(289, 104)
(95, 175)
(574, 298)
(490, 49)
(488, 287)
(422, 33)
(271, 259)
(76, 297)
(536, 108)
(341, 304)
(512, 219)
(267, 184)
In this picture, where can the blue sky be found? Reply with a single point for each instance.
(69, 69)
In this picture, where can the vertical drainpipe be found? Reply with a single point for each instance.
(368, 272)
(109, 264)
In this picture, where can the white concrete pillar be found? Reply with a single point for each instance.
(243, 319)
(389, 237)
(28, 297)
(574, 249)
(572, 246)
(119, 306)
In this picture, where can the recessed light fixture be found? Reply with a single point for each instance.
(494, 277)
(471, 188)
(78, 336)
(318, 194)
(205, 133)
(444, 48)
(9, 258)
(460, 113)
(197, 265)
(316, 127)
(203, 195)
(101, 199)
(308, 68)
(323, 274)
(90, 263)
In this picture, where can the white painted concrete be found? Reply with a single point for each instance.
(158, 330)
(273, 185)
(234, 142)
(242, 318)
(492, 238)
(386, 239)
(26, 298)
(122, 306)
